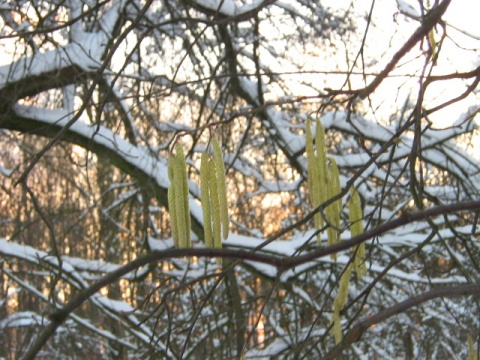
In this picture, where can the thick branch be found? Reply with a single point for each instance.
(101, 146)
(34, 84)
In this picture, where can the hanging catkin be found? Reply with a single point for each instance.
(313, 179)
(178, 199)
(221, 186)
(215, 206)
(321, 160)
(356, 228)
(337, 327)
(188, 224)
(205, 193)
(171, 201)
(340, 302)
(333, 210)
(472, 354)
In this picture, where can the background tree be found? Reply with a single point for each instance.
(93, 96)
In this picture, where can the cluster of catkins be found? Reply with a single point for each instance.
(214, 198)
(324, 184)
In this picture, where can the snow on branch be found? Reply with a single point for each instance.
(102, 141)
(231, 8)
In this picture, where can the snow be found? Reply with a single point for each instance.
(460, 163)
(5, 172)
(338, 120)
(275, 347)
(120, 307)
(279, 123)
(21, 251)
(102, 136)
(229, 7)
(287, 248)
(416, 278)
(108, 20)
(225, 7)
(85, 55)
(90, 265)
(86, 50)
(23, 318)
(70, 265)
(37, 257)
(159, 245)
(122, 198)
(103, 333)
(409, 236)
(408, 9)
(136, 156)
(250, 87)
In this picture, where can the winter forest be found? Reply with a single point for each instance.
(239, 179)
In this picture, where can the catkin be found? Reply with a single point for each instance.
(205, 193)
(181, 205)
(336, 189)
(355, 216)
(337, 327)
(313, 179)
(323, 182)
(215, 206)
(321, 160)
(340, 302)
(221, 186)
(184, 180)
(171, 202)
(356, 228)
(310, 160)
(472, 354)
(343, 288)
(178, 199)
(333, 210)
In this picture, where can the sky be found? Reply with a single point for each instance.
(460, 53)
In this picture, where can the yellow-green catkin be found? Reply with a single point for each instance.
(356, 228)
(321, 160)
(433, 43)
(182, 198)
(205, 193)
(221, 186)
(171, 201)
(178, 199)
(215, 206)
(186, 205)
(472, 354)
(313, 178)
(342, 296)
(323, 182)
(337, 327)
(340, 302)
(309, 149)
(333, 210)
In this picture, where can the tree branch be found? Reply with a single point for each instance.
(282, 264)
(429, 21)
(358, 330)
